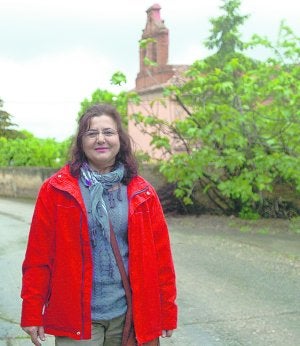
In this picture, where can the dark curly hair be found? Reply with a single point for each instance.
(125, 154)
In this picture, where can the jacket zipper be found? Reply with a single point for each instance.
(137, 193)
(82, 280)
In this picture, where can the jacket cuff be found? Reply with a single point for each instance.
(31, 315)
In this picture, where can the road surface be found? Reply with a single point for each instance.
(238, 283)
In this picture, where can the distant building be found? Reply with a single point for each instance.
(151, 80)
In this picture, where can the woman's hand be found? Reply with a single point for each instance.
(166, 333)
(35, 333)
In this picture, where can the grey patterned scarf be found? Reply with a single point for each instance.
(99, 184)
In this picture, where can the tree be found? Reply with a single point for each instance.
(31, 151)
(240, 136)
(225, 36)
(120, 100)
(7, 127)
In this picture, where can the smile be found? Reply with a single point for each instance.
(100, 150)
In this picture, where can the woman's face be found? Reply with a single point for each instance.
(101, 143)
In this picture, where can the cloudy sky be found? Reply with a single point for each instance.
(55, 53)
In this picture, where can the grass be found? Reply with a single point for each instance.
(294, 225)
(259, 226)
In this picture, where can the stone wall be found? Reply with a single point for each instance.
(22, 182)
(25, 182)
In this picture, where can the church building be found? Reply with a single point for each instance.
(151, 80)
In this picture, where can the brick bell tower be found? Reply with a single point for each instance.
(157, 51)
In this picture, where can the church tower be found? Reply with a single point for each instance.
(157, 51)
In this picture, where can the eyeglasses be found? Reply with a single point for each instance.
(105, 132)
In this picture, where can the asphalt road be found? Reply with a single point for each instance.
(238, 284)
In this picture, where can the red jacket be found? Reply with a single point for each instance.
(57, 270)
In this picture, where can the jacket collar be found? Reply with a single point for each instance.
(138, 190)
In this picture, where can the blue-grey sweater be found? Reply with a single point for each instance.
(108, 295)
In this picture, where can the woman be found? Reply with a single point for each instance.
(91, 210)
